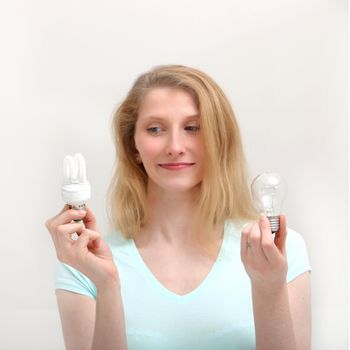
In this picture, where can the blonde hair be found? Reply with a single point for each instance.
(224, 192)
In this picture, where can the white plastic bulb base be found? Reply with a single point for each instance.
(76, 194)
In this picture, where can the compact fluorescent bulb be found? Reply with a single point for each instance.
(75, 188)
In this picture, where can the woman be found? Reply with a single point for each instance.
(191, 264)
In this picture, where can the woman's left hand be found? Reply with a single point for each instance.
(263, 257)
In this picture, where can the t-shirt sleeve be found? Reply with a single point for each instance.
(68, 278)
(297, 255)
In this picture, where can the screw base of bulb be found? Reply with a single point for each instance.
(78, 207)
(274, 223)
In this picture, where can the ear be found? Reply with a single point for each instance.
(133, 145)
(138, 158)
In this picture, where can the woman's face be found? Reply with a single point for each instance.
(167, 132)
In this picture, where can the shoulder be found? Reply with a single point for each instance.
(297, 255)
(115, 239)
(120, 246)
(294, 239)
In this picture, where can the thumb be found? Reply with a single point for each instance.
(90, 219)
(281, 235)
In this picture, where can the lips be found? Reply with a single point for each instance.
(176, 166)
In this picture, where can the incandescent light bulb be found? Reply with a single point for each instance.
(269, 191)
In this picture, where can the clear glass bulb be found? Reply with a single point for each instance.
(269, 191)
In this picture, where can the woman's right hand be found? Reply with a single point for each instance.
(89, 254)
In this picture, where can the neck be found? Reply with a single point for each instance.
(171, 217)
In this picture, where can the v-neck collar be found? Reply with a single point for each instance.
(167, 292)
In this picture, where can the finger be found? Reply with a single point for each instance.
(95, 244)
(281, 235)
(66, 231)
(255, 242)
(90, 219)
(66, 217)
(244, 241)
(65, 207)
(49, 221)
(85, 237)
(62, 238)
(267, 243)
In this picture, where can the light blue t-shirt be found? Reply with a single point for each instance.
(218, 314)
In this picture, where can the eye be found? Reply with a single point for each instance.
(193, 128)
(157, 129)
(153, 129)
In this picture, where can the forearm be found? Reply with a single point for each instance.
(109, 333)
(273, 320)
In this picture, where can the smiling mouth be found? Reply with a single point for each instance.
(176, 166)
(173, 164)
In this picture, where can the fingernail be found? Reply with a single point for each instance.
(81, 212)
(245, 225)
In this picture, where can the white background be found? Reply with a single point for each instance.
(66, 64)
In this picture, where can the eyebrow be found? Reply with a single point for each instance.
(155, 117)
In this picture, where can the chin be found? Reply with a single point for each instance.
(178, 188)
(174, 185)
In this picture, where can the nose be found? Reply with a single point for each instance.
(175, 144)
